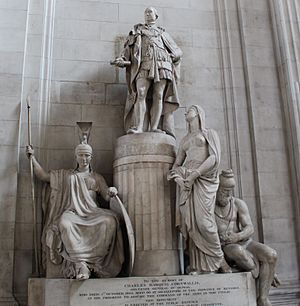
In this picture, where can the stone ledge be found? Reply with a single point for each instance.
(237, 289)
(144, 144)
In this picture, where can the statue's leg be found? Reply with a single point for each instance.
(168, 124)
(238, 254)
(157, 105)
(267, 258)
(225, 268)
(142, 86)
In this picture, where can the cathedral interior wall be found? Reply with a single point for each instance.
(57, 53)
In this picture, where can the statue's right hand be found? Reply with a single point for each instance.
(29, 151)
(119, 62)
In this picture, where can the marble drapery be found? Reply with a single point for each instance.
(76, 229)
(195, 206)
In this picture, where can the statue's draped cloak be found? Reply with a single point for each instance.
(76, 228)
(195, 211)
(133, 52)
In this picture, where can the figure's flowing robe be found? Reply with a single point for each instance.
(195, 211)
(77, 229)
(133, 52)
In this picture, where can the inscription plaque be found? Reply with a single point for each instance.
(202, 290)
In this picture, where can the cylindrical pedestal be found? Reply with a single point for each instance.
(141, 165)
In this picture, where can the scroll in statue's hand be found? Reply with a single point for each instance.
(120, 62)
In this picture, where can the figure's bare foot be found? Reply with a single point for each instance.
(276, 281)
(263, 301)
(83, 271)
(82, 276)
(225, 268)
(134, 130)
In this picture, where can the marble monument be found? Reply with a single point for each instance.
(195, 172)
(74, 220)
(145, 164)
(235, 230)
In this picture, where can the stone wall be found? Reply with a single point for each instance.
(237, 60)
(12, 36)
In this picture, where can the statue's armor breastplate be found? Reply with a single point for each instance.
(90, 183)
(154, 50)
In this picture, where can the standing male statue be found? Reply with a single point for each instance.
(152, 62)
(235, 230)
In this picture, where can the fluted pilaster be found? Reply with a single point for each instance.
(141, 166)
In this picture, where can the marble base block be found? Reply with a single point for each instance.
(141, 164)
(237, 289)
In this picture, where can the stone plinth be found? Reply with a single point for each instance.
(236, 289)
(141, 165)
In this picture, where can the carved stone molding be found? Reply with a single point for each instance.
(286, 30)
(238, 104)
(141, 165)
(225, 42)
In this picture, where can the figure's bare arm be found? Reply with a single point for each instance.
(244, 220)
(207, 165)
(246, 228)
(102, 187)
(105, 191)
(202, 169)
(37, 168)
